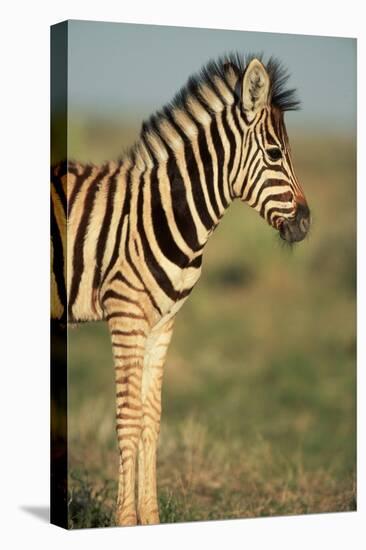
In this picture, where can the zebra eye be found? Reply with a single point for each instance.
(274, 153)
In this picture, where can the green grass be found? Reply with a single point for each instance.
(259, 398)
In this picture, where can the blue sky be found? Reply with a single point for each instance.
(122, 69)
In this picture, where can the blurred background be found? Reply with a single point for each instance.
(259, 399)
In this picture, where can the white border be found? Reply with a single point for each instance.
(24, 401)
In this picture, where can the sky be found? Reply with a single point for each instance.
(123, 69)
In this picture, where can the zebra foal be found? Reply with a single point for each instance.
(128, 236)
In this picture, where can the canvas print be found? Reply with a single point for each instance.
(203, 361)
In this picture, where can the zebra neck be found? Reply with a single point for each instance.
(187, 176)
(185, 198)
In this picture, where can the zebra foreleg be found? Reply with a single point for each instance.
(155, 352)
(128, 341)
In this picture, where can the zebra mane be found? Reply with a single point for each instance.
(282, 97)
(229, 69)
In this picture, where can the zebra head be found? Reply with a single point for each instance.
(266, 180)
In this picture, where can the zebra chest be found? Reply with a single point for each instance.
(184, 284)
(189, 278)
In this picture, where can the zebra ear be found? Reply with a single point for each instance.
(255, 88)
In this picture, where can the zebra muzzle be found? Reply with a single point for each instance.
(296, 230)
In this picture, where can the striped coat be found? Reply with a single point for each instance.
(128, 236)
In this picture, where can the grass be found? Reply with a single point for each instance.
(259, 398)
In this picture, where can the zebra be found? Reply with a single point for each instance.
(128, 236)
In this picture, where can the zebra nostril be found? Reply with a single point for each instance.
(304, 225)
(303, 217)
(302, 212)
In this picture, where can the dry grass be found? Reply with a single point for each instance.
(201, 478)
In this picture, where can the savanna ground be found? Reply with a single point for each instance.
(259, 395)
